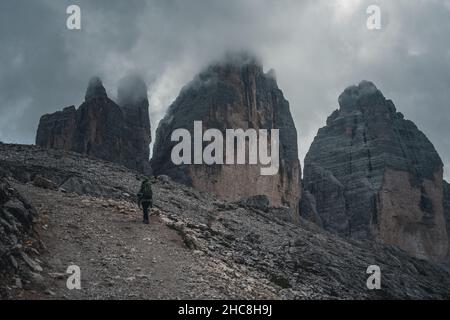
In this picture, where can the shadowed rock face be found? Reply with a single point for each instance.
(447, 209)
(233, 94)
(57, 130)
(373, 174)
(248, 248)
(19, 240)
(132, 98)
(101, 128)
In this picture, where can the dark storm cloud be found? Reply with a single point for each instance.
(41, 68)
(316, 47)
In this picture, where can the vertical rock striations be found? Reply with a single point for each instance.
(99, 130)
(133, 100)
(57, 130)
(233, 94)
(373, 174)
(103, 129)
(19, 239)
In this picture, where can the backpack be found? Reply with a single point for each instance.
(146, 190)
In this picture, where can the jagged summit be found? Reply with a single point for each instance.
(239, 59)
(232, 66)
(103, 129)
(95, 89)
(373, 174)
(233, 93)
(359, 95)
(232, 63)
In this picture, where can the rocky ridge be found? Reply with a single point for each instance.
(225, 249)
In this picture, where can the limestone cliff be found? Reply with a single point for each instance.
(19, 240)
(103, 129)
(373, 174)
(233, 94)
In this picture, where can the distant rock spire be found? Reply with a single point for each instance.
(95, 89)
(371, 174)
(101, 128)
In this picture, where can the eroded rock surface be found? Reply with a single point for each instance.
(233, 94)
(375, 175)
(103, 129)
(19, 241)
(223, 250)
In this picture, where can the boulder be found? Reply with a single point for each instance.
(44, 183)
(260, 202)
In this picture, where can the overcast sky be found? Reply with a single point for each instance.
(317, 47)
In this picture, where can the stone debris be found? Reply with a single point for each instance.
(371, 174)
(196, 246)
(102, 128)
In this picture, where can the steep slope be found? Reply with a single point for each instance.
(103, 129)
(375, 175)
(233, 94)
(197, 246)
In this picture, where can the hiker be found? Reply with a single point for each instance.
(145, 198)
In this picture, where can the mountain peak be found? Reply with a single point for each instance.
(241, 58)
(95, 89)
(363, 165)
(353, 95)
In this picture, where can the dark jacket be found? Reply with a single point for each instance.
(145, 193)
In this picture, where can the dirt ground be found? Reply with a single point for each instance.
(119, 256)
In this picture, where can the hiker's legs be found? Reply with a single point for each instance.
(145, 206)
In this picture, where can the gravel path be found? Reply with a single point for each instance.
(119, 257)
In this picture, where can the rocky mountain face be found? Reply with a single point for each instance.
(372, 174)
(103, 129)
(19, 241)
(447, 209)
(197, 245)
(233, 94)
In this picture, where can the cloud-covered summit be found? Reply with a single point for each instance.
(316, 47)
